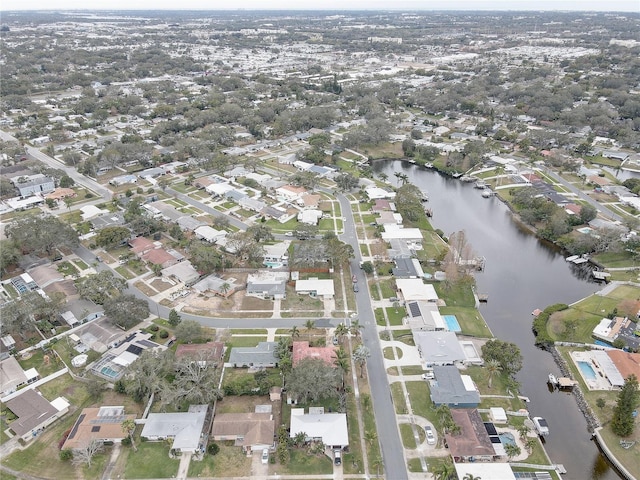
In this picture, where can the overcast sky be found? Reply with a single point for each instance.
(581, 5)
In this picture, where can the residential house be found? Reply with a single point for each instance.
(218, 286)
(376, 193)
(414, 289)
(301, 350)
(388, 217)
(381, 205)
(290, 193)
(81, 311)
(328, 428)
(310, 217)
(407, 268)
(309, 201)
(34, 413)
(209, 234)
(182, 272)
(276, 213)
(453, 389)
(251, 431)
(185, 429)
(260, 356)
(189, 224)
(276, 255)
(315, 287)
(251, 204)
(61, 194)
(103, 424)
(29, 185)
(424, 316)
(110, 219)
(494, 471)
(394, 231)
(12, 376)
(123, 180)
(267, 285)
(8, 342)
(438, 348)
(473, 442)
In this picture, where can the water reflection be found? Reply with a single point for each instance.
(521, 274)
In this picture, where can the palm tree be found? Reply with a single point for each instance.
(355, 328)
(309, 325)
(342, 362)
(444, 471)
(341, 331)
(128, 427)
(383, 177)
(370, 437)
(512, 450)
(470, 476)
(493, 366)
(529, 444)
(377, 463)
(225, 288)
(360, 356)
(295, 332)
(523, 430)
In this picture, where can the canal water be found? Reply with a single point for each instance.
(521, 274)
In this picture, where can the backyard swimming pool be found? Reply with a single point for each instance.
(507, 438)
(587, 370)
(109, 372)
(274, 264)
(452, 323)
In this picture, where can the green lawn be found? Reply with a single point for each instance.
(398, 398)
(67, 268)
(470, 320)
(456, 295)
(151, 461)
(395, 315)
(406, 433)
(229, 462)
(302, 463)
(379, 314)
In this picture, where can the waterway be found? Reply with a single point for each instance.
(522, 273)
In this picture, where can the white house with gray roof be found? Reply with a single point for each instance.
(184, 428)
(261, 356)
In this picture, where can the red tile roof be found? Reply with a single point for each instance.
(302, 350)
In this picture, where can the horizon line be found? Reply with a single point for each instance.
(195, 9)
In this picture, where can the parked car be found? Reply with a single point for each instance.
(337, 457)
(355, 288)
(428, 376)
(431, 438)
(288, 234)
(265, 455)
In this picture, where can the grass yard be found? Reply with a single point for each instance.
(395, 315)
(387, 286)
(150, 461)
(406, 433)
(301, 463)
(615, 260)
(229, 462)
(248, 341)
(388, 353)
(67, 269)
(470, 320)
(398, 398)
(456, 295)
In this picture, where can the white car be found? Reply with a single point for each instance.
(265, 456)
(428, 376)
(431, 438)
(288, 234)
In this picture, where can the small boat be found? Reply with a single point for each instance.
(541, 425)
(572, 258)
(425, 196)
(552, 379)
(486, 193)
(481, 184)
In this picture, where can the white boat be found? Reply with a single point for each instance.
(552, 379)
(541, 425)
(572, 258)
(486, 193)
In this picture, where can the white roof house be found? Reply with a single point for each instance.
(316, 287)
(415, 289)
(439, 348)
(330, 428)
(494, 471)
(376, 192)
(310, 217)
(392, 231)
(185, 428)
(205, 232)
(218, 189)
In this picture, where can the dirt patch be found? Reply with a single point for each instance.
(144, 288)
(161, 285)
(253, 303)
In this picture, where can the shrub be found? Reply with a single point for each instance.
(126, 441)
(154, 328)
(66, 454)
(163, 334)
(213, 448)
(63, 439)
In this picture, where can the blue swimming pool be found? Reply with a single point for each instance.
(274, 264)
(109, 372)
(452, 323)
(507, 438)
(587, 370)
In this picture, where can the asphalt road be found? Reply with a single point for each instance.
(384, 411)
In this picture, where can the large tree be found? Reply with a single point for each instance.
(112, 237)
(126, 310)
(507, 354)
(312, 379)
(623, 422)
(9, 255)
(188, 331)
(196, 381)
(41, 234)
(101, 286)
